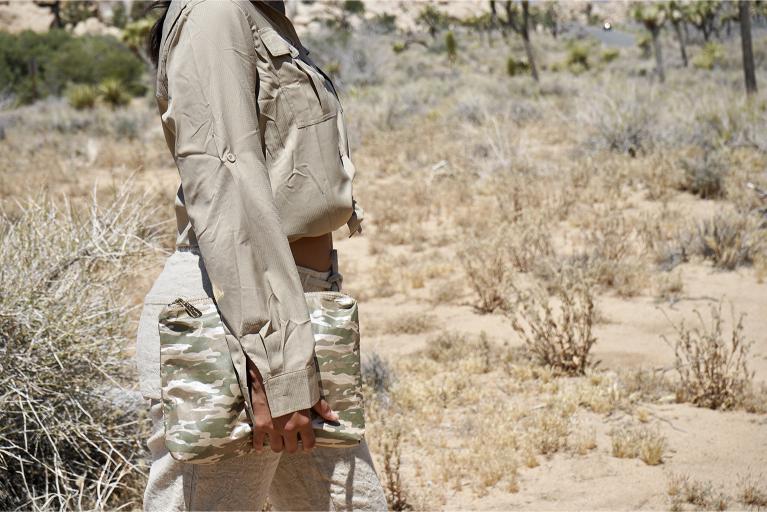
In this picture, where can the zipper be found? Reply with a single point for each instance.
(181, 302)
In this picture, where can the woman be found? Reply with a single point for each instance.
(257, 134)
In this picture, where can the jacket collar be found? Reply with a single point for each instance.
(273, 13)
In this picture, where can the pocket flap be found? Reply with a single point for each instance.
(276, 44)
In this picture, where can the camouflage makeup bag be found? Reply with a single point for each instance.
(205, 413)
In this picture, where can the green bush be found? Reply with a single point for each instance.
(82, 96)
(609, 55)
(111, 91)
(35, 65)
(354, 6)
(644, 42)
(451, 45)
(711, 55)
(577, 59)
(516, 66)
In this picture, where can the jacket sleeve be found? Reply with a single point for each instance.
(212, 111)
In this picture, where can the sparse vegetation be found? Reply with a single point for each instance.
(561, 340)
(753, 492)
(704, 175)
(71, 427)
(487, 268)
(488, 198)
(642, 443)
(683, 490)
(82, 96)
(113, 93)
(729, 241)
(713, 367)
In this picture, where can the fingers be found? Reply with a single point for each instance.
(307, 437)
(258, 440)
(323, 409)
(275, 441)
(291, 440)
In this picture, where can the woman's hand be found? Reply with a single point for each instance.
(285, 430)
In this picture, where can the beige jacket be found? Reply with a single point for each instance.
(258, 136)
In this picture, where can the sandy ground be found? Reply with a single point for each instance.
(714, 447)
(708, 446)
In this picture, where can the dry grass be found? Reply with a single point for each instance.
(753, 492)
(642, 443)
(559, 339)
(713, 369)
(71, 426)
(487, 270)
(730, 241)
(416, 322)
(682, 490)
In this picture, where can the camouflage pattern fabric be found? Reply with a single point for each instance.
(337, 349)
(203, 407)
(205, 414)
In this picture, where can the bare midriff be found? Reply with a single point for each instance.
(313, 252)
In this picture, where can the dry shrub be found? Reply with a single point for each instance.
(713, 370)
(528, 242)
(704, 174)
(610, 255)
(549, 428)
(377, 374)
(446, 291)
(561, 340)
(620, 120)
(585, 440)
(729, 241)
(411, 323)
(702, 495)
(487, 269)
(752, 492)
(396, 497)
(494, 247)
(665, 236)
(449, 346)
(642, 443)
(669, 286)
(69, 433)
(646, 385)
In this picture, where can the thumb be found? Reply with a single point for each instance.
(323, 409)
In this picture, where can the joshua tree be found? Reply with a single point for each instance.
(551, 18)
(703, 15)
(676, 15)
(748, 52)
(653, 17)
(433, 19)
(519, 22)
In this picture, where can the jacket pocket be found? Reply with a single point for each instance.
(301, 85)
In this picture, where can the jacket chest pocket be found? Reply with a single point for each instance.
(308, 92)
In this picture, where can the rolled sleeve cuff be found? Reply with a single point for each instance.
(292, 391)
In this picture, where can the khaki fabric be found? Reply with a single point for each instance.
(258, 137)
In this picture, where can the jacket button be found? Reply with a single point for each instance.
(231, 157)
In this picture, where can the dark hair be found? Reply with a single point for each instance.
(155, 33)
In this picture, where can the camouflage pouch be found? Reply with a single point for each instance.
(205, 413)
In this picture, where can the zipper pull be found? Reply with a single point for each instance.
(191, 310)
